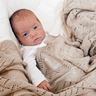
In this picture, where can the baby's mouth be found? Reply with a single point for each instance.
(39, 39)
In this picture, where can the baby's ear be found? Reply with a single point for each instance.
(49, 38)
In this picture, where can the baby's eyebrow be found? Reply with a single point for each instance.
(34, 24)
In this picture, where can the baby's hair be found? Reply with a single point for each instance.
(21, 14)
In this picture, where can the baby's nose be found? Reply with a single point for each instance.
(32, 34)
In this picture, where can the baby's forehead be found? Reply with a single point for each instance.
(22, 14)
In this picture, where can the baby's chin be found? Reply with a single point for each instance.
(37, 42)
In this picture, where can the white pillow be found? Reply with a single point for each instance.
(4, 22)
(49, 12)
(5, 29)
(14, 5)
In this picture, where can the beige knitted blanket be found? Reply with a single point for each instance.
(70, 63)
(66, 78)
(69, 72)
(13, 80)
(13, 76)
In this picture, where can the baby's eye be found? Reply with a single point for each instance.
(25, 34)
(35, 27)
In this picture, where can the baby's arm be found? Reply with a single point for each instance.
(35, 75)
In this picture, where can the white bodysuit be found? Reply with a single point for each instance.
(28, 52)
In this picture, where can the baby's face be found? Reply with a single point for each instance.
(29, 31)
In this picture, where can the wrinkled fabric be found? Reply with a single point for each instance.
(70, 63)
(13, 76)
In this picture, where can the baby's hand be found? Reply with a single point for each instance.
(44, 85)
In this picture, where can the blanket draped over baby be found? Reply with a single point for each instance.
(13, 76)
(68, 63)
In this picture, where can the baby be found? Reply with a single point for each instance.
(30, 33)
